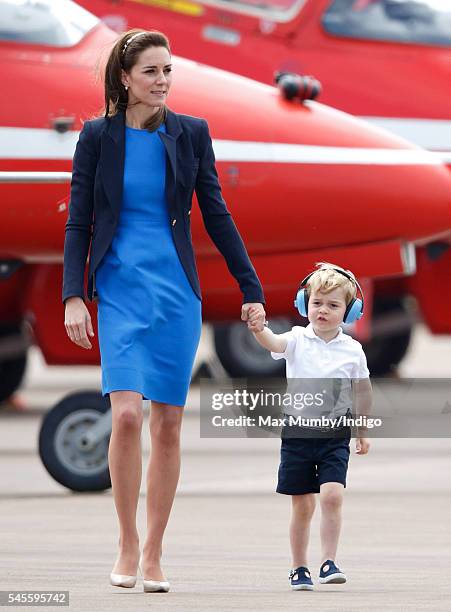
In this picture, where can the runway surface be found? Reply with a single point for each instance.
(226, 546)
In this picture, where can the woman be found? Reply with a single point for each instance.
(134, 172)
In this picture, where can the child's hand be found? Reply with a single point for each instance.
(362, 446)
(256, 320)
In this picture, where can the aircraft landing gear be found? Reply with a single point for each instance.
(73, 441)
(393, 323)
(13, 358)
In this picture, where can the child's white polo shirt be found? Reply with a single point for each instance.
(310, 357)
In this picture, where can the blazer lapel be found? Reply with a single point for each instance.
(112, 158)
(169, 139)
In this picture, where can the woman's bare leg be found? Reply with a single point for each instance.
(162, 477)
(124, 456)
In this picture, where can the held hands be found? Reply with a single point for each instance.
(78, 322)
(255, 318)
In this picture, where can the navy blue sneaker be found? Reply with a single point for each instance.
(330, 574)
(300, 579)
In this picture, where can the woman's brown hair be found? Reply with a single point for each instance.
(124, 56)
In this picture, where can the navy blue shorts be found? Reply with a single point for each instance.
(307, 463)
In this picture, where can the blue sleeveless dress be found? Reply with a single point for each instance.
(149, 318)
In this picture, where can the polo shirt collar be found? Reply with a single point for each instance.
(310, 333)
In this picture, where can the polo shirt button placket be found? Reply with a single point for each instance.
(326, 355)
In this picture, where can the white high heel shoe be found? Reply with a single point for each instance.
(121, 580)
(153, 586)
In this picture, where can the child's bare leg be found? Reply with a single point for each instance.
(331, 501)
(302, 509)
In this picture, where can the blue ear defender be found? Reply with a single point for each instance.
(354, 310)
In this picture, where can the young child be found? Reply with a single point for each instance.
(311, 465)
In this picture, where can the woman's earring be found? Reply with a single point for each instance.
(126, 87)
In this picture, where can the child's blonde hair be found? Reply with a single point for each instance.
(326, 279)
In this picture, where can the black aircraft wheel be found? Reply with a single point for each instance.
(62, 446)
(392, 325)
(240, 354)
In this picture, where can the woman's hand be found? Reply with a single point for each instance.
(256, 307)
(256, 320)
(78, 322)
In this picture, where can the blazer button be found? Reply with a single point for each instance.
(174, 221)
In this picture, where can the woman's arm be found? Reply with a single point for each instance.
(219, 223)
(79, 222)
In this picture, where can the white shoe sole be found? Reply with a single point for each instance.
(302, 587)
(156, 586)
(333, 579)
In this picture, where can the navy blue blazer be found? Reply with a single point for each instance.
(96, 197)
